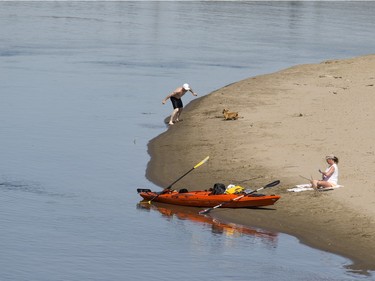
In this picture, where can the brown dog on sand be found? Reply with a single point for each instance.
(230, 115)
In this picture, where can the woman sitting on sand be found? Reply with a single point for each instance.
(330, 176)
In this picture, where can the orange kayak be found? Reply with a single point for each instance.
(207, 199)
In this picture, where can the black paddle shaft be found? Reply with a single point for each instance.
(169, 186)
(274, 183)
(239, 197)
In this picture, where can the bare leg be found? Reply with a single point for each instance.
(178, 114)
(173, 116)
(321, 184)
(314, 183)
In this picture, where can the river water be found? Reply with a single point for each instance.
(81, 90)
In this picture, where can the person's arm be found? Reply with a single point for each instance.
(328, 174)
(194, 93)
(168, 97)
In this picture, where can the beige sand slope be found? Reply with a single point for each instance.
(289, 121)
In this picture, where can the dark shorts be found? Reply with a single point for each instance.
(177, 103)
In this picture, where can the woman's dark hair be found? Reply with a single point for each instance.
(335, 159)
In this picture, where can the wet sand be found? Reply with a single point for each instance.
(289, 121)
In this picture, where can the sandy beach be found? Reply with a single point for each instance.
(289, 121)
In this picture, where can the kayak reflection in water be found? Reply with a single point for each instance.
(217, 227)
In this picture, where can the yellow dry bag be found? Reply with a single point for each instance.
(234, 189)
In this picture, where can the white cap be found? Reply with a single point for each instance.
(186, 87)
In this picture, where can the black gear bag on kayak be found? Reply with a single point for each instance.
(219, 188)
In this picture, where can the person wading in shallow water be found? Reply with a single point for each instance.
(175, 98)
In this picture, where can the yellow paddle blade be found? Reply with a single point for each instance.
(202, 162)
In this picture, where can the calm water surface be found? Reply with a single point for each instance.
(81, 90)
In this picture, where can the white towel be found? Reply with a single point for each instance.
(301, 187)
(308, 186)
(330, 188)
